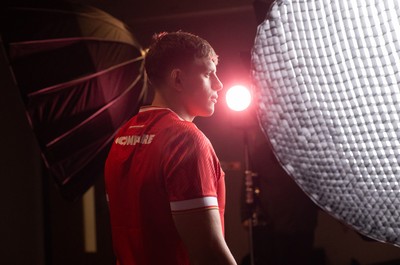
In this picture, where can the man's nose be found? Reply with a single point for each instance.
(217, 85)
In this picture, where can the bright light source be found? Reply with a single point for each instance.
(238, 98)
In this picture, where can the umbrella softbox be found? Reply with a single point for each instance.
(80, 74)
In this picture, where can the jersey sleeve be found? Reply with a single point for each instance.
(191, 171)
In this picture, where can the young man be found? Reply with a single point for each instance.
(164, 183)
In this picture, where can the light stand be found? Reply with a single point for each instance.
(249, 194)
(238, 99)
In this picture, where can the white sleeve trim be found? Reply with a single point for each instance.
(194, 204)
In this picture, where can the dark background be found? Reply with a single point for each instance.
(37, 226)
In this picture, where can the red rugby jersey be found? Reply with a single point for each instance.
(159, 165)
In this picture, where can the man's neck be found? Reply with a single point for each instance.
(172, 104)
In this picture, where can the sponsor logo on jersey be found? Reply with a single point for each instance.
(135, 139)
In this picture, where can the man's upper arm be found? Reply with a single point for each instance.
(202, 235)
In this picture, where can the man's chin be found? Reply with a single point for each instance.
(206, 113)
(209, 113)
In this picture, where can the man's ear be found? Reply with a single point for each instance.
(176, 76)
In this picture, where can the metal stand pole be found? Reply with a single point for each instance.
(249, 193)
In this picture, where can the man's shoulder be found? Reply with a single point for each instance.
(185, 131)
(166, 124)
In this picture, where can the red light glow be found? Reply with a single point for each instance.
(238, 98)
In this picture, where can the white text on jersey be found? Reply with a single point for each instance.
(134, 139)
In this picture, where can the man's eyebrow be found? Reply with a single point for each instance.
(209, 68)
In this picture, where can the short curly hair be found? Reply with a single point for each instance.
(170, 50)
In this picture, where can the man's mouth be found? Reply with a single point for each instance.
(214, 99)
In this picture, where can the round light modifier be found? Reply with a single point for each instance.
(327, 102)
(238, 98)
